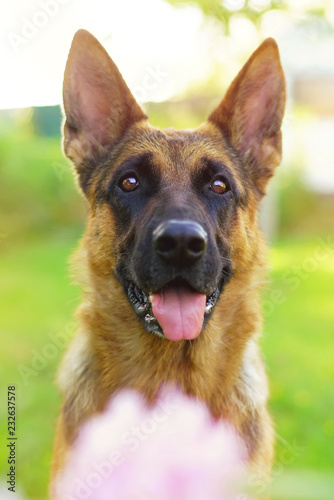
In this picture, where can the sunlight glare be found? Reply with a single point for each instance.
(149, 41)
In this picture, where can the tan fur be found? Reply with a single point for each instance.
(223, 365)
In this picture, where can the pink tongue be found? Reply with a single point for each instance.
(179, 311)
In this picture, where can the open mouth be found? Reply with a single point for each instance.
(176, 311)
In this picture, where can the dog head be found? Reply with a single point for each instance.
(173, 214)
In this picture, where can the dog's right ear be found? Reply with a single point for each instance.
(251, 113)
(98, 105)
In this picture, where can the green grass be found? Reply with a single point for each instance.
(36, 305)
(37, 189)
(297, 342)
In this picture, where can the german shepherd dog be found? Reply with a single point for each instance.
(172, 259)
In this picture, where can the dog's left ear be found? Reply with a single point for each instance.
(98, 105)
(252, 110)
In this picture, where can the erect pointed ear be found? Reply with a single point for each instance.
(98, 105)
(252, 110)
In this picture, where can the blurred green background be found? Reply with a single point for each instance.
(42, 217)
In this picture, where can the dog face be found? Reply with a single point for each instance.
(173, 205)
(172, 213)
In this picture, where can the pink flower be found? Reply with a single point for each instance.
(171, 451)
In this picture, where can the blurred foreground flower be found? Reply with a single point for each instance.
(171, 451)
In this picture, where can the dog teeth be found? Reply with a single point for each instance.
(211, 302)
(141, 308)
(208, 308)
(149, 318)
(150, 298)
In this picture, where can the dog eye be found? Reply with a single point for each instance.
(219, 186)
(129, 183)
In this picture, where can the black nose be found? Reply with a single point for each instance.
(180, 242)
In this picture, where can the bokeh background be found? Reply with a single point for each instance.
(178, 58)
